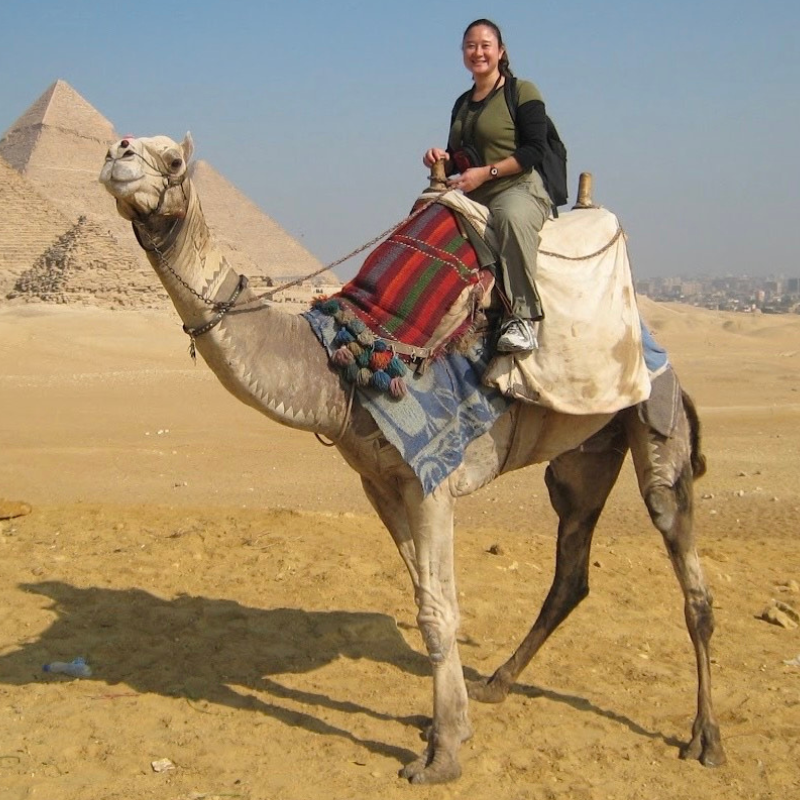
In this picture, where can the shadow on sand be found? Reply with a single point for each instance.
(200, 648)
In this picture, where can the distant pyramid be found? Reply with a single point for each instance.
(85, 265)
(30, 223)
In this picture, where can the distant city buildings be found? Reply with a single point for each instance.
(771, 295)
(298, 295)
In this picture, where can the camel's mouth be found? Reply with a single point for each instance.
(121, 175)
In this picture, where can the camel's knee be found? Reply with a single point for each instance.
(700, 615)
(438, 632)
(666, 504)
(662, 507)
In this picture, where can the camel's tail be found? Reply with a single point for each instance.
(697, 458)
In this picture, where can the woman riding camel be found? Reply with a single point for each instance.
(494, 162)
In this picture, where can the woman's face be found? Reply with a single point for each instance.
(481, 51)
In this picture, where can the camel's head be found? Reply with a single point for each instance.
(146, 176)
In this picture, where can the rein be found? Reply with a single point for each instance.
(161, 249)
(222, 310)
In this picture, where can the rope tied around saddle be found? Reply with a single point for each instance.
(619, 232)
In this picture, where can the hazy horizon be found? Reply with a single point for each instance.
(685, 115)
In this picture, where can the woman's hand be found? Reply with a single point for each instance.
(470, 179)
(433, 155)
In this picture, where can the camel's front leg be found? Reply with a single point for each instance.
(430, 521)
(388, 502)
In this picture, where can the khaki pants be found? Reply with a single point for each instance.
(518, 214)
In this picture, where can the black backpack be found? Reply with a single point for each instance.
(554, 166)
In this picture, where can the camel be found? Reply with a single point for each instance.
(272, 361)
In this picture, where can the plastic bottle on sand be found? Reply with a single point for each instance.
(77, 668)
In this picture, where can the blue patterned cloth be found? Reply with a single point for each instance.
(655, 356)
(445, 409)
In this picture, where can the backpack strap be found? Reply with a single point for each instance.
(459, 104)
(512, 98)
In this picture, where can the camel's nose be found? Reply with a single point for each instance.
(119, 150)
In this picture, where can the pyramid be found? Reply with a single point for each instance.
(30, 224)
(58, 146)
(85, 264)
(253, 243)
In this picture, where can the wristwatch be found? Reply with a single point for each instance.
(493, 173)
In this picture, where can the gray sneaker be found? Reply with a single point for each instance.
(517, 336)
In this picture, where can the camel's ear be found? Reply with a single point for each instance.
(187, 145)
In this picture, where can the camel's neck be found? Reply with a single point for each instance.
(267, 358)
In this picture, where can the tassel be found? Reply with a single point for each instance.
(396, 368)
(329, 307)
(381, 381)
(356, 326)
(398, 388)
(355, 348)
(192, 349)
(366, 338)
(342, 357)
(343, 336)
(380, 360)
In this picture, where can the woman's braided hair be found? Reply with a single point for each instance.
(504, 66)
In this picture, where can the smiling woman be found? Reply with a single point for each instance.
(495, 159)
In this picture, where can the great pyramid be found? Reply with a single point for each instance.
(246, 234)
(57, 148)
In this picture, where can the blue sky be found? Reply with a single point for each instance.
(686, 113)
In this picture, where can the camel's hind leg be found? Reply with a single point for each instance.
(579, 483)
(666, 468)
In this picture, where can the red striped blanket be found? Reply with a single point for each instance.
(409, 283)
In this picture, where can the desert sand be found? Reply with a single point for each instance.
(246, 617)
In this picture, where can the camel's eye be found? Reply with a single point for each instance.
(176, 164)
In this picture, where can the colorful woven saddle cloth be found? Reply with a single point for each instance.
(415, 294)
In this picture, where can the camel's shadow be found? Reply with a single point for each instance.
(199, 647)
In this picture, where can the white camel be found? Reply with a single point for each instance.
(272, 361)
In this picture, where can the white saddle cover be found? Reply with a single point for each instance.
(589, 359)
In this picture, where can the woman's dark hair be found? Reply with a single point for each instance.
(504, 66)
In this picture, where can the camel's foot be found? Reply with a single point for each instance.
(488, 690)
(439, 761)
(433, 766)
(705, 747)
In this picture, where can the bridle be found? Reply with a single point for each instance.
(161, 248)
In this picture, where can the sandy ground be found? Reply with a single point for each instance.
(247, 618)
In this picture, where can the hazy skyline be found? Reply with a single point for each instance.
(685, 113)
